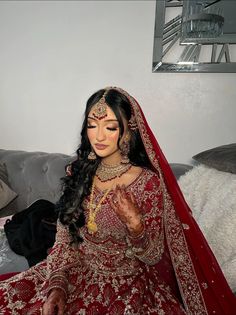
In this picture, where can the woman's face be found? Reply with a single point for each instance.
(103, 135)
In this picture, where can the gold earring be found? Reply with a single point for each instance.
(125, 147)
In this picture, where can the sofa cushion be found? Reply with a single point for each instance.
(222, 158)
(6, 193)
(3, 173)
(33, 175)
(180, 169)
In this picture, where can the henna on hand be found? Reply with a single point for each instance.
(126, 208)
(55, 303)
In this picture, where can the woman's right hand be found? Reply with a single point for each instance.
(55, 303)
(125, 206)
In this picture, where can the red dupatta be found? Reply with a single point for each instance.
(202, 285)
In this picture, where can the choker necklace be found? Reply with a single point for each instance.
(107, 172)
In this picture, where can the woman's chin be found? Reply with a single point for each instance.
(108, 156)
(101, 154)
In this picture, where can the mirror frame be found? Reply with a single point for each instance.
(188, 61)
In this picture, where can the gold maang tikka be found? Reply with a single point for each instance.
(100, 108)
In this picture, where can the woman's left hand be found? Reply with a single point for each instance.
(126, 208)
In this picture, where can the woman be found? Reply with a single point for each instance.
(126, 241)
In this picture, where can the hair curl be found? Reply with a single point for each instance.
(77, 186)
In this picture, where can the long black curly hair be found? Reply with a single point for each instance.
(78, 185)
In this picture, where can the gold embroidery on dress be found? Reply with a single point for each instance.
(187, 279)
(95, 272)
(189, 286)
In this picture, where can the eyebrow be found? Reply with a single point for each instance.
(106, 120)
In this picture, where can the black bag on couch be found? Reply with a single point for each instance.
(31, 232)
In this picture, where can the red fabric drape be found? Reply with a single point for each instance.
(217, 295)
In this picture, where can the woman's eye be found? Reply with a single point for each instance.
(112, 128)
(90, 126)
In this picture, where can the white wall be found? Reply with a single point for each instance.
(54, 54)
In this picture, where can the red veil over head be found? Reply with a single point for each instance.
(201, 283)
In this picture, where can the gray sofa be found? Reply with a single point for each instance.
(33, 176)
(36, 175)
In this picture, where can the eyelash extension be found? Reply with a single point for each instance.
(112, 129)
(108, 128)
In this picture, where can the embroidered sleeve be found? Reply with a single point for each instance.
(149, 245)
(61, 258)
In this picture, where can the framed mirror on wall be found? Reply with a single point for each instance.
(195, 36)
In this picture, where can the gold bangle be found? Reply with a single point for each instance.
(50, 288)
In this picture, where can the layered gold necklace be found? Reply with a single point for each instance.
(104, 173)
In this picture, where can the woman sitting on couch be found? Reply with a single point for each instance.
(126, 240)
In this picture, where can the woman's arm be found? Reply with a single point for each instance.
(145, 237)
(62, 256)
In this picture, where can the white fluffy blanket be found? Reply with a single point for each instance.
(211, 195)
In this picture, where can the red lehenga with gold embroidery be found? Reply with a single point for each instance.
(105, 275)
(168, 270)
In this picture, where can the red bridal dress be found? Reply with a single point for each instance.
(110, 272)
(169, 269)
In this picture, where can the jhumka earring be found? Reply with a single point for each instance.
(92, 156)
(125, 151)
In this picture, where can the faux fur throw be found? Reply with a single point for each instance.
(211, 195)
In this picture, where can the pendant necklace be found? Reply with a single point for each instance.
(104, 173)
(93, 210)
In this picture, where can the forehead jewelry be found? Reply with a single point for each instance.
(100, 108)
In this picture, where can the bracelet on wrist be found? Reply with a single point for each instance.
(51, 287)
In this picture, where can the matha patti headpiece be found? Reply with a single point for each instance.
(100, 108)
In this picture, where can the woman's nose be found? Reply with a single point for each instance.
(100, 134)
